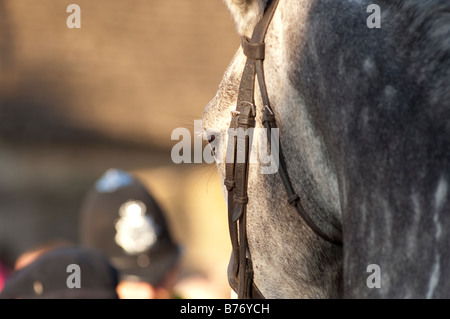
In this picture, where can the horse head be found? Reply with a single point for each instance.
(362, 123)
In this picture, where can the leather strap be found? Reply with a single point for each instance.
(236, 178)
(293, 198)
(239, 145)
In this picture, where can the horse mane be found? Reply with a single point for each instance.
(246, 14)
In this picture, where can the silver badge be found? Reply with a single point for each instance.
(136, 231)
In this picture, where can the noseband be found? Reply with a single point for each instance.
(236, 172)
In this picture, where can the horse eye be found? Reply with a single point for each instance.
(211, 138)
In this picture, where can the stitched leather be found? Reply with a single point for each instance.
(241, 277)
(236, 171)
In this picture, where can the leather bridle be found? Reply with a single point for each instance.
(236, 172)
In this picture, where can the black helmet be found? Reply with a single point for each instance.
(120, 217)
(47, 277)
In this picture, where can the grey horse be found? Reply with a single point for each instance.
(363, 107)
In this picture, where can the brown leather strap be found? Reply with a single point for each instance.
(255, 51)
(253, 47)
(293, 198)
(236, 178)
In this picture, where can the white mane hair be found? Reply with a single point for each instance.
(246, 14)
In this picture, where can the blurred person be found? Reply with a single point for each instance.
(48, 276)
(4, 274)
(120, 217)
(197, 286)
(30, 255)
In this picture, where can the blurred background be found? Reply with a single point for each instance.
(75, 102)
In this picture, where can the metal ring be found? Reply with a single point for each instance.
(268, 109)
